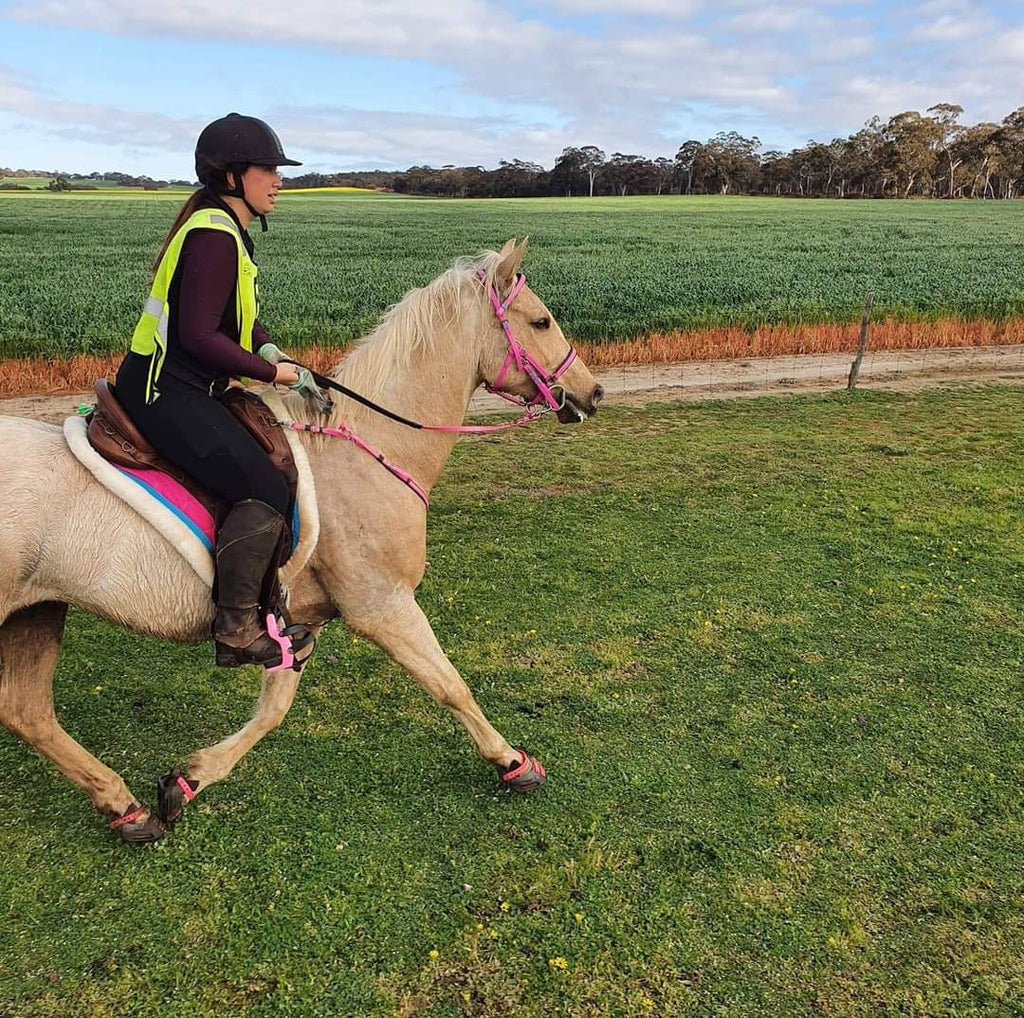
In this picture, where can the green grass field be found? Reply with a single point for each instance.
(73, 269)
(771, 653)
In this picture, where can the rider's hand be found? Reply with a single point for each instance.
(287, 374)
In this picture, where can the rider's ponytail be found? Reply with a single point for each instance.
(186, 210)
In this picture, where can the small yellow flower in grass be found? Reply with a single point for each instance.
(646, 1003)
(480, 927)
(558, 963)
(434, 954)
(505, 906)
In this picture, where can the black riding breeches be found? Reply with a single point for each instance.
(197, 433)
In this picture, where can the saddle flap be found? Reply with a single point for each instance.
(261, 423)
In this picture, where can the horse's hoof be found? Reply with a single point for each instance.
(526, 775)
(137, 827)
(173, 790)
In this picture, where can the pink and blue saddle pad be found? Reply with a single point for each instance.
(178, 500)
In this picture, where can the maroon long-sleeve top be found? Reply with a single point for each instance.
(203, 338)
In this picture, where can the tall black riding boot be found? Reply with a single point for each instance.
(246, 547)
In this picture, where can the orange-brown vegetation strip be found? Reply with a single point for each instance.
(787, 340)
(76, 374)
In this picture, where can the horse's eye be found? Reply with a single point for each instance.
(541, 323)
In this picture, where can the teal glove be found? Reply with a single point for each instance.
(271, 352)
(311, 392)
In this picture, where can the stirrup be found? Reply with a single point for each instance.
(297, 637)
(290, 641)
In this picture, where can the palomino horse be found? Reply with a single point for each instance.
(67, 540)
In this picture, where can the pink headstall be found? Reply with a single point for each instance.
(521, 357)
(543, 379)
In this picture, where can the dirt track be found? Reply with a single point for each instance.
(901, 370)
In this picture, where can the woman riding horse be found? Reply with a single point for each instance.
(198, 330)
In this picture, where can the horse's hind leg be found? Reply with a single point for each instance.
(29, 649)
(402, 630)
(213, 764)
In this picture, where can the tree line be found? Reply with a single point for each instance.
(61, 181)
(912, 154)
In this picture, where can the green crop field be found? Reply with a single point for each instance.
(73, 268)
(783, 733)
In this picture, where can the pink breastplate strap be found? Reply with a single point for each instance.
(344, 431)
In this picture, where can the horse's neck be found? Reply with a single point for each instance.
(435, 389)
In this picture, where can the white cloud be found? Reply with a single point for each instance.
(96, 123)
(1010, 45)
(949, 21)
(769, 18)
(374, 138)
(429, 30)
(648, 75)
(625, 8)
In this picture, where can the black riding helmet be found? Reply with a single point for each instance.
(233, 143)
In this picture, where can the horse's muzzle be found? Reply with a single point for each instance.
(578, 409)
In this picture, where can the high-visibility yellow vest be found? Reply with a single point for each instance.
(150, 336)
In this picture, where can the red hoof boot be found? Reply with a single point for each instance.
(526, 775)
(137, 827)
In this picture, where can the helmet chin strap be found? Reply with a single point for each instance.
(239, 192)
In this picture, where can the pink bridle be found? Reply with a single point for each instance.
(543, 379)
(519, 356)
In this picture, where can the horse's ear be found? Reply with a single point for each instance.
(510, 258)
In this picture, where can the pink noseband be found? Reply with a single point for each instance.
(519, 356)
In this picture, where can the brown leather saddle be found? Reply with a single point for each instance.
(113, 435)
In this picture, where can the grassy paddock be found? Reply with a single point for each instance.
(771, 652)
(73, 269)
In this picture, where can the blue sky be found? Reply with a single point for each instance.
(125, 84)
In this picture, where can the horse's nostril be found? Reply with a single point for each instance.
(598, 395)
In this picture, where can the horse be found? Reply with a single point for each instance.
(67, 540)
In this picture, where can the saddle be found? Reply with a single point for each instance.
(113, 435)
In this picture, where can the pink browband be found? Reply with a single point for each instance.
(517, 355)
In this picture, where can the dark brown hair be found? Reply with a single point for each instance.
(186, 210)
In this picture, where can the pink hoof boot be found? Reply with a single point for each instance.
(526, 775)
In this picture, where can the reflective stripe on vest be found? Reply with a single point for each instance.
(150, 336)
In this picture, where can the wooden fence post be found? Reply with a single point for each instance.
(865, 321)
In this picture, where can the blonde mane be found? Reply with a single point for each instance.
(405, 331)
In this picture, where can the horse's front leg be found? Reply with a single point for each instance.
(207, 766)
(400, 628)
